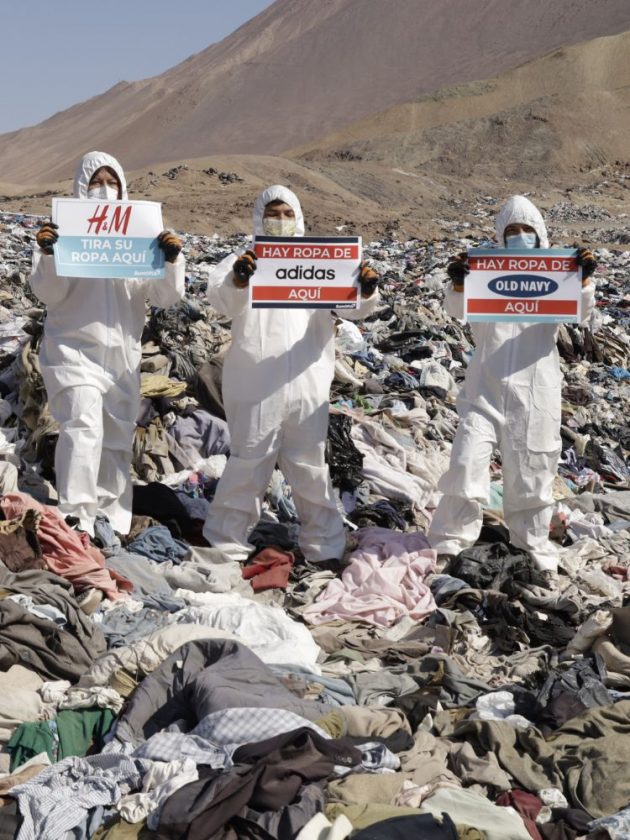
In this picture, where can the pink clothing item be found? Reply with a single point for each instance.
(67, 553)
(383, 583)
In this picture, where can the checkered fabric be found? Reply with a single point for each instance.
(215, 739)
(59, 798)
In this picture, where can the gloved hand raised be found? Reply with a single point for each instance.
(368, 280)
(47, 236)
(457, 270)
(171, 244)
(586, 259)
(243, 269)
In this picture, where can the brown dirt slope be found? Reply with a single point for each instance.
(301, 70)
(566, 112)
(555, 127)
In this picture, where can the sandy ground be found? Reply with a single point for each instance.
(356, 197)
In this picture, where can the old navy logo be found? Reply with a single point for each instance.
(523, 285)
(115, 220)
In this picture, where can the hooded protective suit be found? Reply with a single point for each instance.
(90, 361)
(511, 399)
(276, 383)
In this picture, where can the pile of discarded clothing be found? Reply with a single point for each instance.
(152, 687)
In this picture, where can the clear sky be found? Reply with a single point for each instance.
(57, 54)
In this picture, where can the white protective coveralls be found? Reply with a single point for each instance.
(276, 384)
(511, 399)
(90, 362)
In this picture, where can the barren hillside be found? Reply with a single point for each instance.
(301, 70)
(553, 116)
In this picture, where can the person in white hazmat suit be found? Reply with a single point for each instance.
(90, 360)
(510, 399)
(276, 384)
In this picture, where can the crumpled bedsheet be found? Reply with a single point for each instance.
(384, 581)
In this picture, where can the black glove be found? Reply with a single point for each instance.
(368, 280)
(243, 269)
(585, 258)
(457, 271)
(47, 236)
(171, 244)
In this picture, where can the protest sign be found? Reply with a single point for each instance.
(533, 286)
(100, 238)
(306, 272)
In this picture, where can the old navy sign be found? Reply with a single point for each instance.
(533, 286)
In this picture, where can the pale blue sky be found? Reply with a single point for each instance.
(57, 54)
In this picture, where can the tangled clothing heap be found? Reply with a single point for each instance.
(511, 398)
(42, 645)
(90, 362)
(202, 677)
(276, 383)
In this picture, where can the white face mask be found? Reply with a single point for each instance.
(104, 191)
(279, 227)
(521, 240)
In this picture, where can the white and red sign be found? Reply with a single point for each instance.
(306, 272)
(533, 286)
(100, 238)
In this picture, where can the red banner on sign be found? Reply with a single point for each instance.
(511, 305)
(520, 263)
(306, 251)
(298, 294)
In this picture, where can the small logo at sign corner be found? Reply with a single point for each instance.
(523, 286)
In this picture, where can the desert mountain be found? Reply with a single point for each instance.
(300, 70)
(567, 111)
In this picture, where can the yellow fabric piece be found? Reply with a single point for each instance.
(363, 816)
(332, 723)
(124, 831)
(156, 385)
(467, 832)
(359, 788)
(123, 683)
